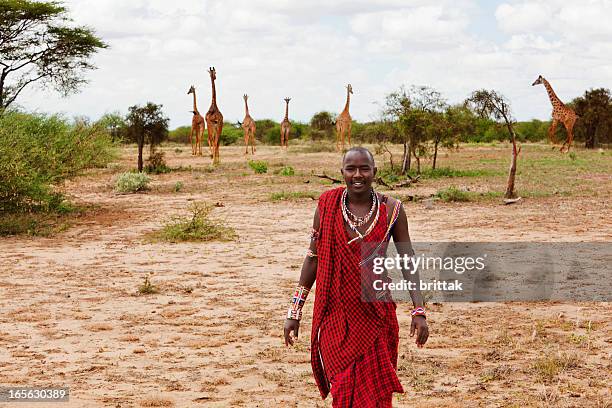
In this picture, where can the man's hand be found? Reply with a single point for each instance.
(419, 324)
(291, 326)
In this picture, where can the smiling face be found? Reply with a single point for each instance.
(358, 170)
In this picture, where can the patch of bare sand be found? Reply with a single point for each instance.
(212, 336)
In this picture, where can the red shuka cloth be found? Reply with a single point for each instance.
(354, 343)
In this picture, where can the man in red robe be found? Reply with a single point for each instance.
(355, 333)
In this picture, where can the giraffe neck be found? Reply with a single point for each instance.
(246, 107)
(554, 99)
(348, 101)
(195, 106)
(287, 111)
(214, 92)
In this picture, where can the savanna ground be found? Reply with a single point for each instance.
(72, 314)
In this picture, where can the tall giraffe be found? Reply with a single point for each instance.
(560, 113)
(214, 119)
(248, 124)
(285, 126)
(197, 126)
(344, 121)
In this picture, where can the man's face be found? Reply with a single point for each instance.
(358, 171)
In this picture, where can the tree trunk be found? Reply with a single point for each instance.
(140, 147)
(418, 161)
(433, 167)
(512, 172)
(405, 159)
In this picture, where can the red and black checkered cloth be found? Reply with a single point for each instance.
(354, 343)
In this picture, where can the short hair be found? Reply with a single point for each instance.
(359, 149)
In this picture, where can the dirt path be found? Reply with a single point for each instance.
(72, 315)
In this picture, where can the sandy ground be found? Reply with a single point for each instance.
(72, 315)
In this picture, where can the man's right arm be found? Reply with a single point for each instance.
(307, 277)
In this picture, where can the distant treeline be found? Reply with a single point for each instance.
(268, 132)
(418, 113)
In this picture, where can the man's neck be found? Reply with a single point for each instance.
(360, 198)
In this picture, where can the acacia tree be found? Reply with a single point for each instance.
(146, 124)
(595, 123)
(322, 125)
(489, 103)
(449, 127)
(413, 111)
(38, 45)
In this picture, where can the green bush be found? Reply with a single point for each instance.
(37, 152)
(132, 182)
(453, 194)
(181, 135)
(156, 164)
(286, 171)
(230, 135)
(272, 135)
(259, 166)
(197, 227)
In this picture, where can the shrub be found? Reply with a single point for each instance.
(156, 164)
(178, 186)
(286, 171)
(259, 166)
(40, 151)
(132, 182)
(147, 288)
(453, 194)
(197, 227)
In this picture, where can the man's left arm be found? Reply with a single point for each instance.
(401, 238)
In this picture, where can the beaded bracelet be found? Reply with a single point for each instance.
(297, 302)
(419, 311)
(314, 235)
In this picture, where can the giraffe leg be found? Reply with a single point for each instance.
(210, 139)
(246, 141)
(551, 133)
(199, 141)
(338, 135)
(191, 141)
(348, 130)
(253, 141)
(569, 126)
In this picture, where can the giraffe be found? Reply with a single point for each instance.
(285, 126)
(197, 126)
(560, 113)
(248, 124)
(214, 120)
(344, 121)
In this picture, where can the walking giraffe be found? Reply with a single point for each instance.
(197, 126)
(248, 124)
(285, 126)
(344, 121)
(560, 113)
(214, 120)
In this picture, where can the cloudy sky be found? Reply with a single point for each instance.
(310, 50)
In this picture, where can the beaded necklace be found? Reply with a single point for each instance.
(359, 221)
(352, 224)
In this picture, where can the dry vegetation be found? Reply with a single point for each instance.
(75, 312)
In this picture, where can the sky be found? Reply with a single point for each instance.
(310, 50)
